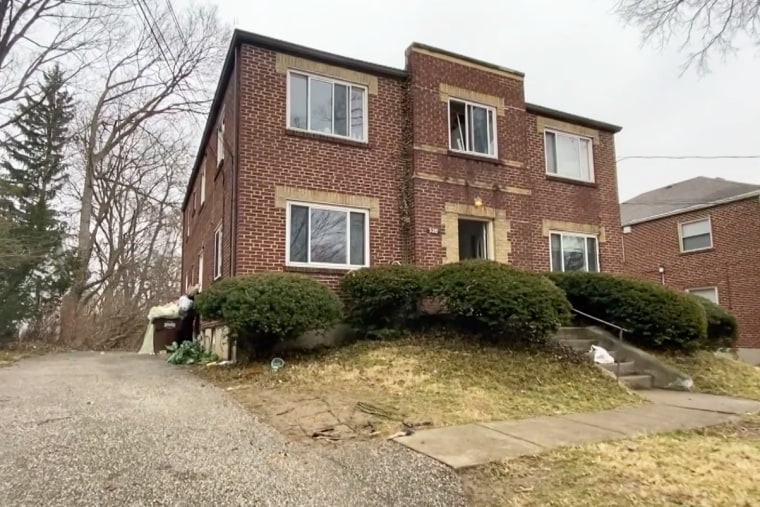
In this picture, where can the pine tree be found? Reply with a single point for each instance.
(32, 174)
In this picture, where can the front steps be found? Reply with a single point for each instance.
(625, 368)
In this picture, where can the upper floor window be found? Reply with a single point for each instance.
(327, 236)
(472, 128)
(695, 235)
(218, 252)
(573, 252)
(569, 156)
(220, 138)
(327, 106)
(203, 181)
(708, 293)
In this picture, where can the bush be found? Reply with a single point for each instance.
(657, 317)
(266, 308)
(489, 297)
(722, 327)
(383, 298)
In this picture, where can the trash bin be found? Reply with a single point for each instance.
(165, 332)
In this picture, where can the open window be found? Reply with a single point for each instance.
(472, 128)
(473, 239)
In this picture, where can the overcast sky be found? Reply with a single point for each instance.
(577, 56)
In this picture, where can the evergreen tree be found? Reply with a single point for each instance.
(32, 173)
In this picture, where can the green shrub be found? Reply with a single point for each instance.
(383, 297)
(489, 297)
(265, 308)
(722, 326)
(657, 317)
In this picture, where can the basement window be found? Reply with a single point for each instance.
(472, 128)
(573, 252)
(708, 293)
(327, 106)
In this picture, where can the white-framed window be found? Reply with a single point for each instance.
(218, 252)
(573, 252)
(220, 138)
(472, 128)
(709, 293)
(203, 180)
(569, 156)
(695, 235)
(327, 106)
(327, 236)
(200, 270)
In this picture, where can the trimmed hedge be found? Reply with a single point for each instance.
(489, 297)
(722, 326)
(383, 297)
(658, 317)
(265, 308)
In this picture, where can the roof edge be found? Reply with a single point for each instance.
(465, 58)
(696, 207)
(571, 118)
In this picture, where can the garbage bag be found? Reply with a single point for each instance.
(601, 355)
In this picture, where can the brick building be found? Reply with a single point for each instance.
(318, 163)
(702, 236)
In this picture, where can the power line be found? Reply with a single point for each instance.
(145, 10)
(687, 157)
(173, 14)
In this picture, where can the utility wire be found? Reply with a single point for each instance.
(687, 157)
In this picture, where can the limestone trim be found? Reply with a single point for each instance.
(549, 226)
(284, 62)
(283, 194)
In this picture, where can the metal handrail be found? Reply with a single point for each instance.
(620, 330)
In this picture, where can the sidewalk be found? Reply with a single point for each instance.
(480, 443)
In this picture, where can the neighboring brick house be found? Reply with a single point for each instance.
(318, 163)
(703, 236)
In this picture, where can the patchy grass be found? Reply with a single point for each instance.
(12, 352)
(431, 381)
(718, 374)
(713, 466)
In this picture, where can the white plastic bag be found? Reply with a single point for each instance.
(601, 355)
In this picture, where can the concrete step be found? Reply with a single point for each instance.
(581, 345)
(626, 368)
(637, 381)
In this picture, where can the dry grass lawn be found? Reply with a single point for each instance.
(431, 381)
(711, 467)
(719, 374)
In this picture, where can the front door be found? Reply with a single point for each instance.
(473, 239)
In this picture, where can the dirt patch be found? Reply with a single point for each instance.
(10, 353)
(715, 466)
(380, 388)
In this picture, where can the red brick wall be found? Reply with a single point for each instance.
(202, 220)
(517, 141)
(272, 155)
(731, 265)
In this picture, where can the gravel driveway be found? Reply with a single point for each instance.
(90, 429)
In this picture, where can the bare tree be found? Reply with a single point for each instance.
(35, 33)
(704, 27)
(153, 74)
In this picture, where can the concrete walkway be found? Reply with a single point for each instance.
(477, 444)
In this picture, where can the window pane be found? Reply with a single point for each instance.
(585, 163)
(298, 91)
(695, 228)
(328, 236)
(709, 294)
(573, 252)
(551, 152)
(491, 137)
(479, 119)
(341, 110)
(591, 253)
(357, 239)
(568, 157)
(299, 233)
(457, 118)
(695, 242)
(357, 114)
(556, 252)
(321, 108)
